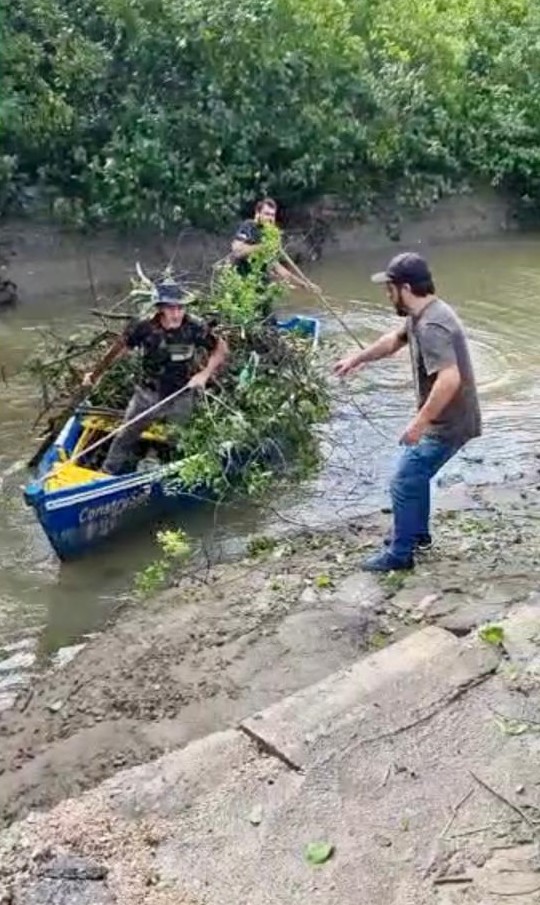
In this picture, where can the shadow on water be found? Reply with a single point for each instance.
(46, 608)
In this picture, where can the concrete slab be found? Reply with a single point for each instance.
(472, 613)
(201, 774)
(403, 814)
(378, 695)
(384, 807)
(387, 780)
(522, 635)
(359, 590)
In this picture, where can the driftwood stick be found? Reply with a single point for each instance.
(455, 811)
(110, 315)
(91, 282)
(448, 881)
(502, 798)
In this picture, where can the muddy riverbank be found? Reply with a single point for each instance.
(46, 609)
(192, 661)
(221, 645)
(44, 259)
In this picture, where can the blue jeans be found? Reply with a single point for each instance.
(410, 491)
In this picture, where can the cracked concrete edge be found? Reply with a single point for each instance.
(292, 732)
(427, 669)
(334, 699)
(431, 661)
(413, 678)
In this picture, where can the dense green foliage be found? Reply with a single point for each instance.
(181, 111)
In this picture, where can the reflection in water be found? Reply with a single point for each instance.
(494, 285)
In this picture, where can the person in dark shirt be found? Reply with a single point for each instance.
(168, 343)
(248, 241)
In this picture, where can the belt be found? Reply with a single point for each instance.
(156, 387)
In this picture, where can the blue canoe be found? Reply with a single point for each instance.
(79, 507)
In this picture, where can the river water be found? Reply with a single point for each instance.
(46, 609)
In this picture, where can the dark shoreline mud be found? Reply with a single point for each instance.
(31, 251)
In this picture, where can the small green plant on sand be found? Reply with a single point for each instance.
(511, 726)
(175, 548)
(323, 581)
(317, 853)
(377, 641)
(392, 582)
(492, 634)
(260, 544)
(175, 544)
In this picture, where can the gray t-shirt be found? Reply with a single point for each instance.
(437, 339)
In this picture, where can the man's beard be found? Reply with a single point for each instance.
(399, 305)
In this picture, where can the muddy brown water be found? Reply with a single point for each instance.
(47, 609)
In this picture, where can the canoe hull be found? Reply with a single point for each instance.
(78, 518)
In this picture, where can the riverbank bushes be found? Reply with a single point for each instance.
(155, 112)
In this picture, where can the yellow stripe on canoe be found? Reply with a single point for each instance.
(69, 474)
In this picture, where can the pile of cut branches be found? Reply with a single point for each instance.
(258, 414)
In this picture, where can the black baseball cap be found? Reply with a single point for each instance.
(407, 267)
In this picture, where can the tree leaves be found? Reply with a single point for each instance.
(323, 581)
(317, 853)
(492, 634)
(154, 113)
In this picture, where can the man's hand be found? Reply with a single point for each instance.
(414, 431)
(88, 379)
(198, 381)
(242, 250)
(348, 365)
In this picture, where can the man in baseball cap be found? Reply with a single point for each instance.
(168, 342)
(405, 268)
(448, 411)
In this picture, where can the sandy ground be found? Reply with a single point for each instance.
(208, 652)
(417, 768)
